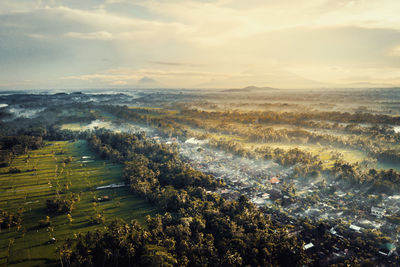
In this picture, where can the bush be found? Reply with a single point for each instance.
(62, 205)
(45, 223)
(98, 218)
(14, 170)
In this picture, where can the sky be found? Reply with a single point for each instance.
(51, 44)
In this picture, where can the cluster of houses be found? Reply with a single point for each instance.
(256, 179)
(263, 182)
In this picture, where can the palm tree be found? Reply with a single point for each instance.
(69, 217)
(107, 255)
(10, 244)
(1, 222)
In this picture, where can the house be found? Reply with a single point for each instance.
(340, 194)
(355, 228)
(378, 212)
(274, 180)
(387, 249)
(224, 191)
(102, 199)
(308, 246)
(333, 231)
(111, 186)
(265, 195)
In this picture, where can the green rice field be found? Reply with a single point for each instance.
(43, 172)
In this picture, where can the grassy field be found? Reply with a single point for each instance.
(30, 190)
(85, 126)
(324, 153)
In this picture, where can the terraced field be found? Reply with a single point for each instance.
(43, 172)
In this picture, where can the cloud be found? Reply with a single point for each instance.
(118, 83)
(167, 63)
(114, 23)
(258, 15)
(36, 36)
(197, 42)
(101, 35)
(395, 51)
(177, 64)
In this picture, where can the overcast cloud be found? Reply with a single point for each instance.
(196, 44)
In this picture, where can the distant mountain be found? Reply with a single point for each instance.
(146, 80)
(250, 89)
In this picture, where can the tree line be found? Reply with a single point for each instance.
(197, 228)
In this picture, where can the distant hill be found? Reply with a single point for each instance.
(250, 89)
(147, 80)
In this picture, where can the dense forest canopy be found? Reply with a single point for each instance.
(275, 185)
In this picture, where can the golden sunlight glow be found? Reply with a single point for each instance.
(202, 44)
